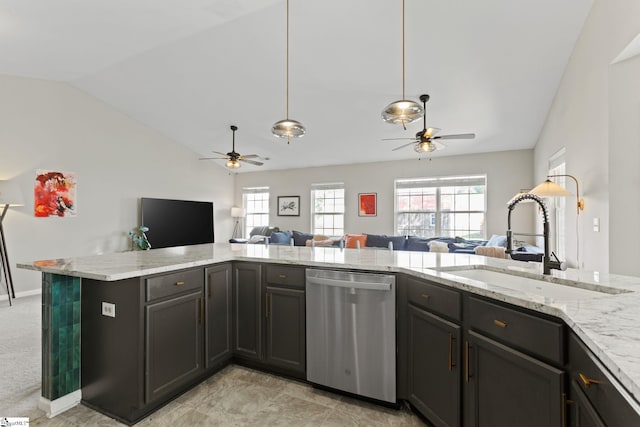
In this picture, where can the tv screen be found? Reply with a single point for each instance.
(177, 222)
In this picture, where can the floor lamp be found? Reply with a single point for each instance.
(9, 196)
(236, 213)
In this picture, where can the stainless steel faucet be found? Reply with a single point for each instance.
(547, 263)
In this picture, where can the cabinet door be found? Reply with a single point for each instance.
(507, 388)
(583, 414)
(434, 367)
(218, 314)
(247, 310)
(285, 328)
(173, 344)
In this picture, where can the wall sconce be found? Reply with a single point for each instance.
(9, 196)
(236, 213)
(551, 189)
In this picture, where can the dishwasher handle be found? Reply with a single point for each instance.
(348, 284)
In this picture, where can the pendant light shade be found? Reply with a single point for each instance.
(288, 128)
(403, 111)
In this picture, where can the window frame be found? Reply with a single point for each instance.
(251, 213)
(436, 214)
(335, 231)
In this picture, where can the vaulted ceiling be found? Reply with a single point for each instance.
(191, 69)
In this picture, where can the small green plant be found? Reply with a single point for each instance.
(139, 237)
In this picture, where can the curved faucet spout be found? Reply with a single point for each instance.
(546, 262)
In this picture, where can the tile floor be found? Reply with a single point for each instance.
(238, 396)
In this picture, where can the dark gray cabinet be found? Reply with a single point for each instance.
(174, 344)
(505, 387)
(514, 366)
(285, 319)
(218, 315)
(597, 399)
(434, 367)
(147, 348)
(247, 311)
(583, 414)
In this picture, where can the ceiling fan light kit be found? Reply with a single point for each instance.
(425, 147)
(234, 158)
(403, 111)
(288, 128)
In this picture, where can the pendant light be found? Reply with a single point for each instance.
(403, 111)
(288, 128)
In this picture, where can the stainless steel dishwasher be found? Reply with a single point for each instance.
(351, 332)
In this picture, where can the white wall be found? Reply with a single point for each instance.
(624, 173)
(507, 172)
(49, 125)
(579, 121)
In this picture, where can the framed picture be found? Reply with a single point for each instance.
(288, 205)
(367, 204)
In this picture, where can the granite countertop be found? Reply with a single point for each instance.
(608, 322)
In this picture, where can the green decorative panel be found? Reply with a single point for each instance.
(60, 335)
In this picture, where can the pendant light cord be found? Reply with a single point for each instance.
(403, 97)
(287, 61)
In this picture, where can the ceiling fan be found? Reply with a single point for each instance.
(233, 158)
(425, 140)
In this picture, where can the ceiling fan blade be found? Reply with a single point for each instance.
(397, 139)
(439, 145)
(214, 158)
(404, 145)
(217, 152)
(251, 162)
(250, 156)
(458, 136)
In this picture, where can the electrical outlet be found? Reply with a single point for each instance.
(596, 224)
(108, 309)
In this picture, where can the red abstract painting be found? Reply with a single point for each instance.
(367, 204)
(54, 194)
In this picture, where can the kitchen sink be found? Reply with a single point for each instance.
(527, 283)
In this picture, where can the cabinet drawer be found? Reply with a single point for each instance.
(174, 283)
(607, 401)
(535, 335)
(288, 276)
(434, 298)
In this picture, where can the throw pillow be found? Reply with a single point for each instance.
(351, 240)
(280, 237)
(299, 238)
(435, 246)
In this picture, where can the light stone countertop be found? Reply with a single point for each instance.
(609, 323)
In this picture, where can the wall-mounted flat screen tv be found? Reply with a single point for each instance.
(177, 222)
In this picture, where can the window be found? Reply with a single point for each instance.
(557, 167)
(441, 207)
(255, 201)
(327, 201)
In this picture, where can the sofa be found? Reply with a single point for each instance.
(275, 236)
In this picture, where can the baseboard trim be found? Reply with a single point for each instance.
(5, 297)
(58, 406)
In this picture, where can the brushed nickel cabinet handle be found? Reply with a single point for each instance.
(587, 382)
(425, 296)
(180, 283)
(500, 323)
(282, 276)
(451, 362)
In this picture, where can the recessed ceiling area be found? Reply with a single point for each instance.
(191, 69)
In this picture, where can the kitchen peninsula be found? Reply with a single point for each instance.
(601, 314)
